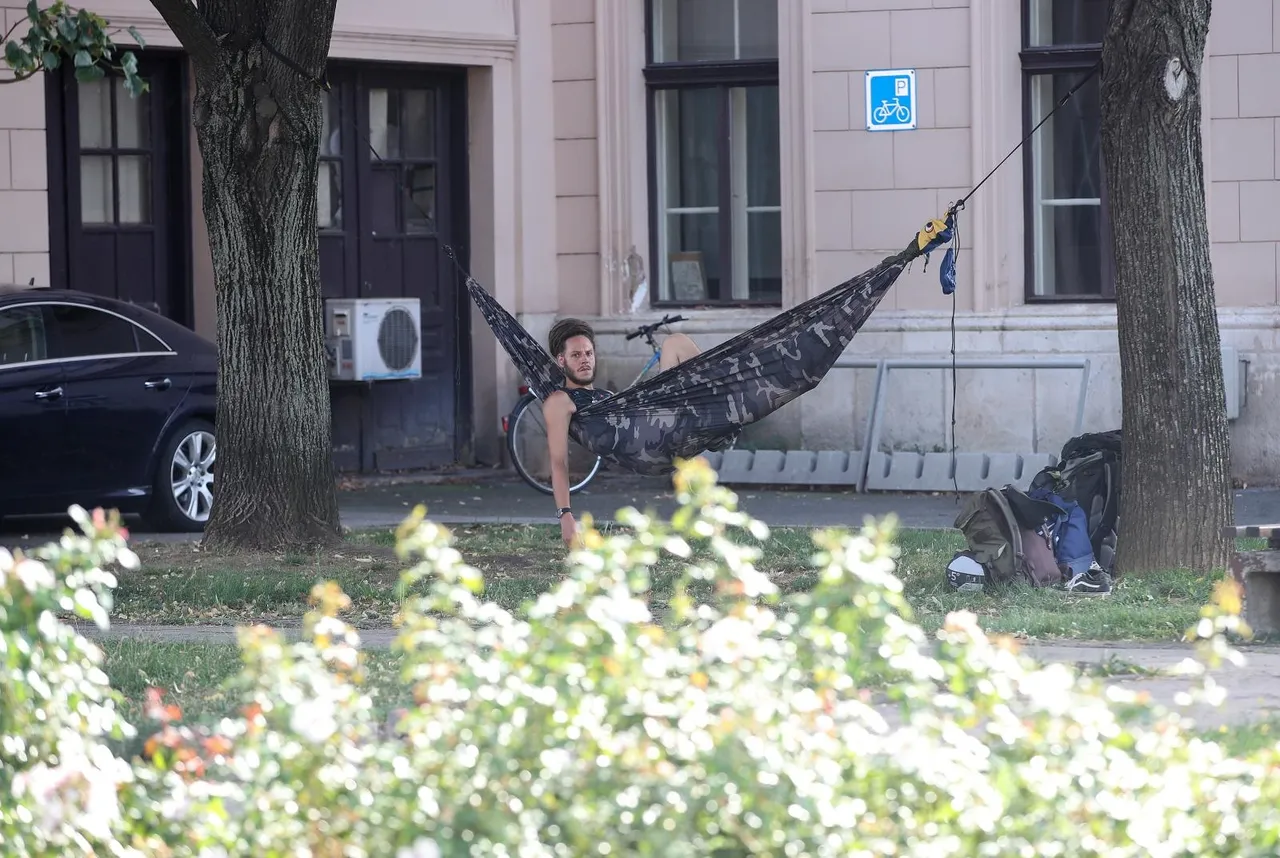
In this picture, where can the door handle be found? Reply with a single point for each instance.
(157, 384)
(56, 393)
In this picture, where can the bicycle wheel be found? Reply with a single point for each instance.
(527, 447)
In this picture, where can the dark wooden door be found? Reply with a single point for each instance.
(119, 187)
(391, 182)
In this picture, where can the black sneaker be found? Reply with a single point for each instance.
(1092, 582)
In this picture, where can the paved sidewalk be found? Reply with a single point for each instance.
(1253, 689)
(502, 499)
(512, 501)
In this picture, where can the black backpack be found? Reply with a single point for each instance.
(1089, 474)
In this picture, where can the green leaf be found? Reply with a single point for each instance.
(33, 12)
(88, 74)
(13, 54)
(135, 85)
(129, 63)
(69, 30)
(83, 60)
(51, 60)
(137, 37)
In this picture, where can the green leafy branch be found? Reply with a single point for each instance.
(76, 35)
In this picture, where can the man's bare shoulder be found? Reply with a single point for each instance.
(558, 402)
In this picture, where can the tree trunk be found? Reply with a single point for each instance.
(1176, 495)
(258, 120)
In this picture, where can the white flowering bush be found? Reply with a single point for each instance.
(58, 776)
(601, 722)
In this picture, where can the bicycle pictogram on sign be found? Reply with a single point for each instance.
(891, 100)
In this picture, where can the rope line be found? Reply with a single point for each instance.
(959, 206)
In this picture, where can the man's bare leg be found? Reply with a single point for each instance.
(676, 349)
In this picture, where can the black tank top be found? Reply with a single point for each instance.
(584, 396)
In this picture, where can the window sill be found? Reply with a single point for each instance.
(1069, 299)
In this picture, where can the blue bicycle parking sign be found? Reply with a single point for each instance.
(891, 100)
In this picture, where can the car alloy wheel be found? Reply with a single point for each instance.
(191, 474)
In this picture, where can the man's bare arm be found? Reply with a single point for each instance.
(557, 410)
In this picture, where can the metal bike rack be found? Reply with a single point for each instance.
(880, 389)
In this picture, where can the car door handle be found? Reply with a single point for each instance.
(56, 393)
(157, 384)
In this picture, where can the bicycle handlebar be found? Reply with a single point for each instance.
(645, 330)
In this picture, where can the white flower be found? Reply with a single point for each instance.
(423, 847)
(314, 720)
(34, 575)
(78, 791)
(730, 639)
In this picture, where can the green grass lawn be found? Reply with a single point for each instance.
(179, 583)
(191, 675)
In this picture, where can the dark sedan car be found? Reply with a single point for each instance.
(103, 403)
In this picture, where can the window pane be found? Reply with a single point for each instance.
(97, 190)
(147, 342)
(135, 189)
(95, 114)
(84, 331)
(420, 205)
(331, 128)
(1066, 188)
(764, 183)
(329, 195)
(21, 335)
(419, 123)
(1067, 22)
(693, 257)
(690, 141)
(402, 115)
(764, 254)
(689, 138)
(693, 30)
(133, 118)
(384, 122)
(758, 29)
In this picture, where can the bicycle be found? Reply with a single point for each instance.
(527, 434)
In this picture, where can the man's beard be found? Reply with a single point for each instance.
(577, 379)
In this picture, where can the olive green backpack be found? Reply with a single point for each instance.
(1006, 533)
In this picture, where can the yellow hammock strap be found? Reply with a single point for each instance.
(932, 229)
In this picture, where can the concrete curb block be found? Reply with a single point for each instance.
(890, 472)
(786, 468)
(913, 472)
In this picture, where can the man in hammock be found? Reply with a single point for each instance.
(700, 401)
(572, 343)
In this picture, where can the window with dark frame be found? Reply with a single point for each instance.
(715, 197)
(115, 154)
(1068, 232)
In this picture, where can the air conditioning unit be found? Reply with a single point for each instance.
(373, 339)
(1235, 375)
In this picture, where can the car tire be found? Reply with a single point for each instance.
(170, 507)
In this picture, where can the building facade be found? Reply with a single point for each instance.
(617, 160)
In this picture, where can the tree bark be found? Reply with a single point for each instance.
(258, 121)
(1176, 494)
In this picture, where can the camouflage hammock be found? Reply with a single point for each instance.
(704, 403)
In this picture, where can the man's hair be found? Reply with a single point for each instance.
(565, 330)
